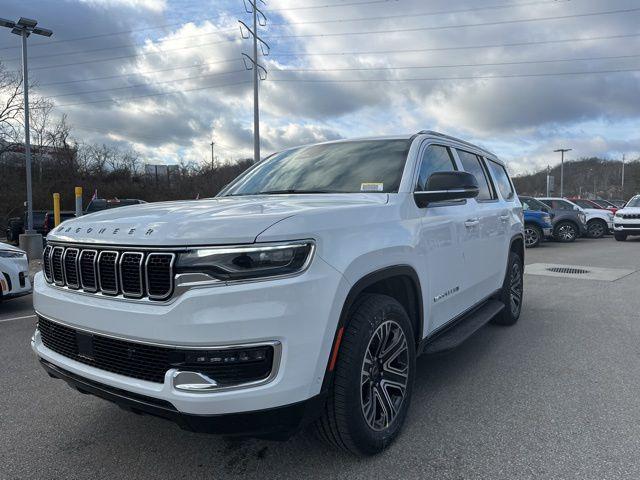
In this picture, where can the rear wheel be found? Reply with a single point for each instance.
(511, 293)
(596, 228)
(621, 237)
(532, 236)
(373, 379)
(565, 232)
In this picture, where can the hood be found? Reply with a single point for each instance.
(633, 210)
(11, 248)
(215, 221)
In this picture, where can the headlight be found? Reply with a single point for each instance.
(583, 217)
(11, 254)
(250, 262)
(618, 214)
(610, 216)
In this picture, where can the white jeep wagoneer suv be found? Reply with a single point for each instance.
(300, 295)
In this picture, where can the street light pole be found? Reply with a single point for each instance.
(562, 152)
(622, 185)
(31, 241)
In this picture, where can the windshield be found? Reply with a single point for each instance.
(634, 202)
(343, 167)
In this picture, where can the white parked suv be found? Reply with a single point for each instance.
(599, 221)
(14, 272)
(300, 295)
(627, 220)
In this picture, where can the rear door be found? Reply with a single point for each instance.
(485, 232)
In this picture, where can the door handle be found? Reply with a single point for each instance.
(472, 222)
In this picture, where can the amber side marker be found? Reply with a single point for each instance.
(336, 347)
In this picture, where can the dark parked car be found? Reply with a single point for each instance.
(567, 224)
(16, 225)
(97, 204)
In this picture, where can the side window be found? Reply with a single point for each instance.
(562, 205)
(501, 179)
(436, 158)
(471, 163)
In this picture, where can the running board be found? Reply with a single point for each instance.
(462, 329)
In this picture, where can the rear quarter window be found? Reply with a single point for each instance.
(501, 180)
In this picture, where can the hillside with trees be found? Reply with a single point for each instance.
(587, 177)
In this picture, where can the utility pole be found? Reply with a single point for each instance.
(259, 72)
(622, 185)
(562, 152)
(30, 241)
(212, 158)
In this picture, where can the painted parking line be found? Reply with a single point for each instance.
(2, 320)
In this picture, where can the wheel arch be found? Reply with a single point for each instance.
(400, 282)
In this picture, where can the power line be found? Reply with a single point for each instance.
(470, 77)
(330, 5)
(110, 34)
(173, 92)
(125, 45)
(466, 47)
(145, 72)
(148, 84)
(493, 64)
(136, 55)
(424, 14)
(446, 27)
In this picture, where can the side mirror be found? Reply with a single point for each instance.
(447, 186)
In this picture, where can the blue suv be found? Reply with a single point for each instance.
(537, 225)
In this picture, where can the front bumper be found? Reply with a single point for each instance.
(627, 226)
(300, 313)
(548, 232)
(276, 423)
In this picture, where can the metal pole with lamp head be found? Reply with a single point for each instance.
(562, 152)
(30, 241)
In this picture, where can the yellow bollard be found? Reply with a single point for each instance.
(78, 201)
(56, 209)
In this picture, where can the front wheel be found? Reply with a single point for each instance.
(596, 228)
(621, 237)
(532, 236)
(565, 232)
(373, 379)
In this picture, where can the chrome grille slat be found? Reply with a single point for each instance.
(70, 264)
(57, 271)
(88, 274)
(113, 271)
(159, 275)
(131, 278)
(46, 263)
(108, 272)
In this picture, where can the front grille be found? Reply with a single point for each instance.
(150, 362)
(635, 226)
(630, 215)
(94, 270)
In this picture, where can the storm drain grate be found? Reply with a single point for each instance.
(568, 270)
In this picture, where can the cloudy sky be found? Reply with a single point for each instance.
(520, 77)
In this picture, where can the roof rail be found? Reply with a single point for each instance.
(449, 137)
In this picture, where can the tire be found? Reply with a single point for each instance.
(353, 419)
(511, 293)
(620, 237)
(565, 232)
(532, 236)
(596, 228)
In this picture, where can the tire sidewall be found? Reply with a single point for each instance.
(367, 440)
(557, 232)
(597, 222)
(538, 234)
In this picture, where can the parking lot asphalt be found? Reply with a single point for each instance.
(555, 396)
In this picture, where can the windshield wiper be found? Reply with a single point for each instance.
(294, 190)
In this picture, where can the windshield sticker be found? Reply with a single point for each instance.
(371, 187)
